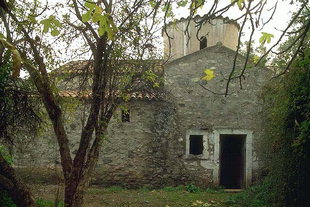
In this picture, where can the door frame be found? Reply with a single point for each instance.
(248, 157)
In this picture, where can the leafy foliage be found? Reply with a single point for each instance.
(256, 196)
(17, 107)
(5, 200)
(287, 136)
(106, 23)
(192, 188)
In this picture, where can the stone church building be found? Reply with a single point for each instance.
(194, 135)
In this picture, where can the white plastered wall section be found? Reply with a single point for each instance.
(212, 160)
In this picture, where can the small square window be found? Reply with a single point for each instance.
(203, 42)
(195, 144)
(125, 115)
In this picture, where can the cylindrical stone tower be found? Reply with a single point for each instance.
(218, 30)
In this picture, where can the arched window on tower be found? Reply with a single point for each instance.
(203, 42)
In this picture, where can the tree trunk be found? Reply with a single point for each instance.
(75, 190)
(80, 176)
(13, 185)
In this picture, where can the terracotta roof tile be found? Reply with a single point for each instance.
(87, 94)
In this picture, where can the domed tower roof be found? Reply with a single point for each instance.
(219, 29)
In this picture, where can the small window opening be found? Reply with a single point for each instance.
(203, 42)
(195, 144)
(125, 115)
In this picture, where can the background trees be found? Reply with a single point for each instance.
(288, 131)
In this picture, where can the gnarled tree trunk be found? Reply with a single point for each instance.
(10, 183)
(74, 192)
(80, 176)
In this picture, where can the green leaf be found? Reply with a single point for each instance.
(209, 75)
(90, 4)
(106, 25)
(196, 4)
(51, 23)
(96, 17)
(153, 3)
(46, 25)
(239, 3)
(98, 10)
(101, 31)
(56, 23)
(182, 3)
(55, 32)
(32, 19)
(87, 16)
(266, 37)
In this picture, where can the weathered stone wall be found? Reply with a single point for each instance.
(134, 153)
(209, 114)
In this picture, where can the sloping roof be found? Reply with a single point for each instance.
(76, 69)
(133, 95)
(218, 46)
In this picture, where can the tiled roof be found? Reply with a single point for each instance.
(134, 95)
(75, 68)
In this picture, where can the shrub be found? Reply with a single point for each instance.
(5, 200)
(46, 203)
(192, 188)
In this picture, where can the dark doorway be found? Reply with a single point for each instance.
(232, 161)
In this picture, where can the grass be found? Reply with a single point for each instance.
(162, 198)
(166, 197)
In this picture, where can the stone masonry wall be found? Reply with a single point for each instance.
(203, 112)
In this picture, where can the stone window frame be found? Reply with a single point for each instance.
(205, 136)
(248, 152)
